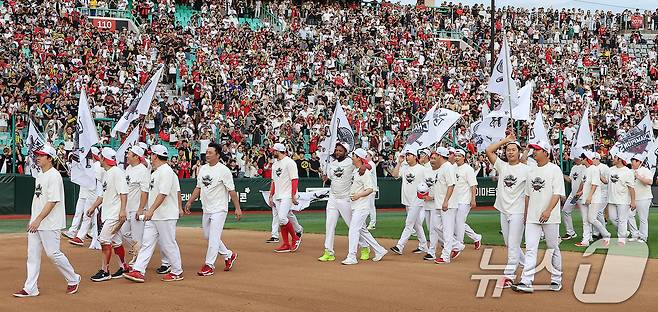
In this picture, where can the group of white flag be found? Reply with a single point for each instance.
(86, 134)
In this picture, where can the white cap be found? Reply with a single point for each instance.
(95, 151)
(460, 152)
(596, 155)
(361, 153)
(541, 145)
(408, 151)
(110, 156)
(422, 188)
(47, 150)
(423, 151)
(137, 150)
(279, 147)
(143, 145)
(451, 150)
(344, 145)
(442, 151)
(160, 150)
(588, 154)
(640, 157)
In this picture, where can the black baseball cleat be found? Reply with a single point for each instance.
(418, 251)
(101, 276)
(396, 250)
(272, 240)
(118, 273)
(569, 236)
(429, 257)
(163, 269)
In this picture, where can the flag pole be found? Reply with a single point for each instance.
(509, 80)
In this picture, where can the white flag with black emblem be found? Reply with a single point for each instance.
(501, 82)
(341, 131)
(34, 142)
(482, 141)
(538, 131)
(86, 136)
(140, 104)
(431, 129)
(131, 140)
(638, 140)
(584, 136)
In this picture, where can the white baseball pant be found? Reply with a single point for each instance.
(358, 231)
(601, 217)
(512, 226)
(132, 230)
(421, 219)
(163, 233)
(435, 227)
(213, 225)
(533, 232)
(373, 210)
(448, 220)
(619, 215)
(567, 209)
(592, 216)
(80, 207)
(275, 222)
(336, 207)
(462, 228)
(411, 223)
(47, 241)
(587, 227)
(106, 237)
(89, 223)
(642, 211)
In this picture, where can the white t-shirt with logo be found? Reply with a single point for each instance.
(215, 182)
(164, 181)
(445, 177)
(49, 187)
(619, 180)
(643, 191)
(544, 182)
(605, 172)
(430, 179)
(361, 183)
(138, 179)
(592, 177)
(340, 174)
(465, 180)
(411, 177)
(100, 176)
(511, 187)
(576, 176)
(283, 172)
(114, 184)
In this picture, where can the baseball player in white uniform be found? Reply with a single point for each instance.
(161, 218)
(543, 190)
(591, 200)
(442, 196)
(340, 173)
(643, 197)
(215, 186)
(575, 177)
(91, 221)
(425, 191)
(605, 178)
(86, 198)
(411, 174)
(512, 175)
(360, 189)
(283, 194)
(113, 199)
(464, 194)
(621, 196)
(373, 210)
(138, 178)
(46, 222)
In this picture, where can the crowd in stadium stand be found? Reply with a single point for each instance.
(248, 86)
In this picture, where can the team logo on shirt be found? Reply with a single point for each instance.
(151, 185)
(410, 177)
(614, 178)
(575, 176)
(278, 172)
(104, 186)
(538, 184)
(127, 179)
(430, 181)
(206, 180)
(338, 172)
(38, 190)
(509, 180)
(457, 177)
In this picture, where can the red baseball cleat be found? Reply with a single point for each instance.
(134, 276)
(206, 270)
(230, 261)
(171, 277)
(23, 294)
(283, 248)
(477, 245)
(76, 241)
(72, 289)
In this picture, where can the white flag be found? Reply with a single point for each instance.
(140, 104)
(432, 128)
(522, 110)
(482, 141)
(131, 140)
(82, 172)
(584, 135)
(493, 126)
(538, 130)
(34, 142)
(652, 157)
(304, 199)
(341, 131)
(638, 140)
(501, 82)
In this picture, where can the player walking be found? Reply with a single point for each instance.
(373, 210)
(543, 190)
(464, 194)
(591, 200)
(621, 196)
(412, 174)
(161, 218)
(575, 177)
(643, 197)
(113, 200)
(512, 175)
(283, 194)
(46, 222)
(443, 191)
(604, 170)
(215, 185)
(91, 221)
(138, 178)
(86, 198)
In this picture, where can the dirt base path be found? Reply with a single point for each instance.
(264, 281)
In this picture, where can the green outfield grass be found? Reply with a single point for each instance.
(389, 225)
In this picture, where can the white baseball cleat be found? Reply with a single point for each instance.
(379, 256)
(349, 261)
